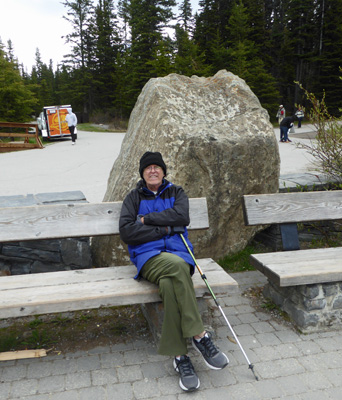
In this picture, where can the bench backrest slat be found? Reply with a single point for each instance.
(75, 220)
(278, 208)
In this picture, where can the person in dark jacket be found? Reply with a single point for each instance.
(285, 126)
(152, 217)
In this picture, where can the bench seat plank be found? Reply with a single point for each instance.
(279, 208)
(76, 220)
(62, 291)
(300, 267)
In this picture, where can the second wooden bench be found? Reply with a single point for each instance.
(307, 284)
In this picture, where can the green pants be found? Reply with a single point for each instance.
(181, 316)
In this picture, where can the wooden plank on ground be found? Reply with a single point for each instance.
(75, 220)
(63, 291)
(22, 354)
(277, 208)
(300, 267)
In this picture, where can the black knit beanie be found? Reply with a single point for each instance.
(150, 158)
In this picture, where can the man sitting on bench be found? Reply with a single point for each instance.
(151, 219)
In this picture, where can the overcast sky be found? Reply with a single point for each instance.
(32, 24)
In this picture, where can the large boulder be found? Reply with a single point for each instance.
(217, 142)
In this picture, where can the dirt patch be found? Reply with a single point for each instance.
(70, 332)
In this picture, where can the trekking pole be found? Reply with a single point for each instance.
(251, 366)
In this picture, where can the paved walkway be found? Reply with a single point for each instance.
(289, 365)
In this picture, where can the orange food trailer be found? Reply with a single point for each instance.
(52, 123)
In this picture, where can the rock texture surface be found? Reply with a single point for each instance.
(217, 142)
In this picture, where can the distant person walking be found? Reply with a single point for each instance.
(285, 125)
(300, 115)
(71, 119)
(281, 113)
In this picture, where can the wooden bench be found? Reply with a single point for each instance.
(307, 284)
(55, 292)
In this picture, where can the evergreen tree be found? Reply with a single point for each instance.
(185, 18)
(107, 47)
(188, 59)
(16, 99)
(147, 19)
(82, 58)
(245, 61)
(211, 27)
(330, 61)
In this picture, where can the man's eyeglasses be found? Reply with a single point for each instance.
(153, 167)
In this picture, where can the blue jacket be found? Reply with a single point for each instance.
(169, 207)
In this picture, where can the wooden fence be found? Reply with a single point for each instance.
(23, 144)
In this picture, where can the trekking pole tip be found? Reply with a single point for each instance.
(251, 367)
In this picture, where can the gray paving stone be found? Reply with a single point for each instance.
(221, 378)
(288, 336)
(334, 393)
(5, 389)
(169, 384)
(22, 388)
(315, 381)
(269, 389)
(333, 376)
(247, 318)
(291, 385)
(69, 395)
(312, 362)
(112, 360)
(287, 350)
(77, 380)
(319, 395)
(268, 339)
(14, 373)
(40, 370)
(146, 389)
(267, 353)
(133, 357)
(104, 377)
(51, 384)
(90, 363)
(307, 348)
(93, 393)
(64, 366)
(122, 391)
(244, 308)
(244, 391)
(40, 397)
(262, 327)
(327, 344)
(244, 329)
(262, 316)
(279, 368)
(198, 395)
(129, 373)
(154, 370)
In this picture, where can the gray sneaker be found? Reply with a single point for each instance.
(188, 380)
(213, 357)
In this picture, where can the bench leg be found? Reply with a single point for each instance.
(154, 314)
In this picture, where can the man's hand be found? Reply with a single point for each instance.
(140, 219)
(177, 230)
